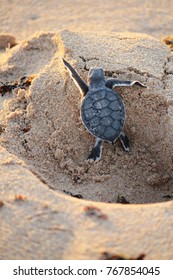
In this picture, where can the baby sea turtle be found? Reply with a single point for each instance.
(102, 109)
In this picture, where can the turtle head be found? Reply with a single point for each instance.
(96, 77)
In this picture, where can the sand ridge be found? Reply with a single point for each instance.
(56, 144)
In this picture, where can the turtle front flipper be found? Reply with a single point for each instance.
(76, 78)
(111, 83)
(96, 152)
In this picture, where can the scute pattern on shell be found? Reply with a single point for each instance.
(103, 114)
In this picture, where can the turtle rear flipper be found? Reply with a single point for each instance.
(96, 152)
(124, 141)
(76, 78)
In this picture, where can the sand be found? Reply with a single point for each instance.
(44, 145)
(151, 17)
(43, 125)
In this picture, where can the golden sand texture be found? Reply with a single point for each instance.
(43, 126)
(39, 223)
(44, 145)
(150, 17)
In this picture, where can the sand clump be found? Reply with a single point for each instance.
(7, 41)
(42, 125)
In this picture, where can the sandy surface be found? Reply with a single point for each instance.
(150, 17)
(42, 125)
(41, 128)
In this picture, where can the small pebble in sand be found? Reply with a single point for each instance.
(166, 178)
(169, 41)
(133, 129)
(7, 41)
(20, 197)
(1, 203)
(122, 199)
(21, 94)
(153, 166)
(1, 129)
(154, 179)
(94, 211)
(59, 154)
(101, 178)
